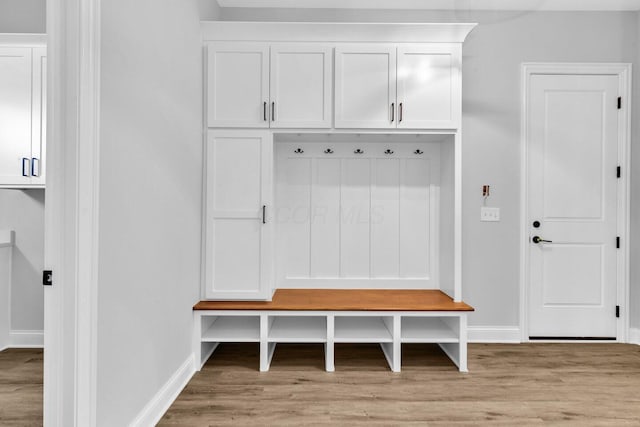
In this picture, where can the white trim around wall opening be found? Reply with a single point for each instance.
(623, 71)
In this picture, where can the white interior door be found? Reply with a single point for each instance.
(301, 86)
(239, 225)
(429, 86)
(573, 134)
(15, 116)
(238, 85)
(365, 81)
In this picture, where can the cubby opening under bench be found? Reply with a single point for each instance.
(329, 316)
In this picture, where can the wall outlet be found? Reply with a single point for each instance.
(489, 214)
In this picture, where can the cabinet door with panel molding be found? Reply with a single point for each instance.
(238, 85)
(15, 116)
(429, 86)
(301, 78)
(239, 217)
(365, 80)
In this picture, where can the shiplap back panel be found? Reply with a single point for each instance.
(348, 220)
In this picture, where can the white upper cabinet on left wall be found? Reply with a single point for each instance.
(255, 85)
(22, 116)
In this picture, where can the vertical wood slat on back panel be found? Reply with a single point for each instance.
(296, 217)
(385, 218)
(355, 201)
(325, 218)
(414, 218)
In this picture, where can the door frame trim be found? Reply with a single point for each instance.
(71, 212)
(623, 72)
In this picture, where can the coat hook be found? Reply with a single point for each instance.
(328, 151)
(358, 151)
(299, 151)
(388, 151)
(418, 151)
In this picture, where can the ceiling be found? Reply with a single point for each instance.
(525, 5)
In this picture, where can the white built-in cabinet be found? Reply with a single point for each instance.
(22, 114)
(239, 225)
(407, 86)
(257, 85)
(365, 86)
(333, 157)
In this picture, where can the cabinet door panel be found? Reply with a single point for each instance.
(429, 86)
(365, 86)
(238, 85)
(39, 116)
(15, 115)
(239, 231)
(301, 86)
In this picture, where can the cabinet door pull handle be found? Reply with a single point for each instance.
(400, 112)
(25, 166)
(35, 166)
(273, 111)
(264, 111)
(264, 214)
(393, 111)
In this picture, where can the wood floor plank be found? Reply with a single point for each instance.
(525, 384)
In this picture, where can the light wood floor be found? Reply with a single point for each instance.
(512, 385)
(21, 387)
(527, 384)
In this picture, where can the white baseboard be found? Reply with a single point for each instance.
(494, 334)
(26, 339)
(634, 336)
(160, 403)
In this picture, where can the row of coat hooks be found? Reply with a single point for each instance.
(357, 151)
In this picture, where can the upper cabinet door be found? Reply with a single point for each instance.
(15, 116)
(429, 86)
(300, 86)
(365, 81)
(239, 215)
(39, 116)
(238, 85)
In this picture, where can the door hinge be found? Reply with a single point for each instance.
(617, 311)
(617, 242)
(47, 278)
(619, 171)
(619, 102)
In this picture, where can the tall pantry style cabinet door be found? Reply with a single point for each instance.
(429, 86)
(39, 116)
(238, 85)
(365, 86)
(239, 215)
(301, 86)
(15, 116)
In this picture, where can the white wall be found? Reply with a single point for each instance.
(150, 199)
(491, 123)
(209, 10)
(23, 212)
(22, 16)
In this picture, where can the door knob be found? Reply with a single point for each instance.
(537, 239)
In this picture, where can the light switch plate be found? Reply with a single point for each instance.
(489, 214)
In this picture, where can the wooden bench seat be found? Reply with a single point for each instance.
(345, 300)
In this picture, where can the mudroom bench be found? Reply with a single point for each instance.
(328, 316)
